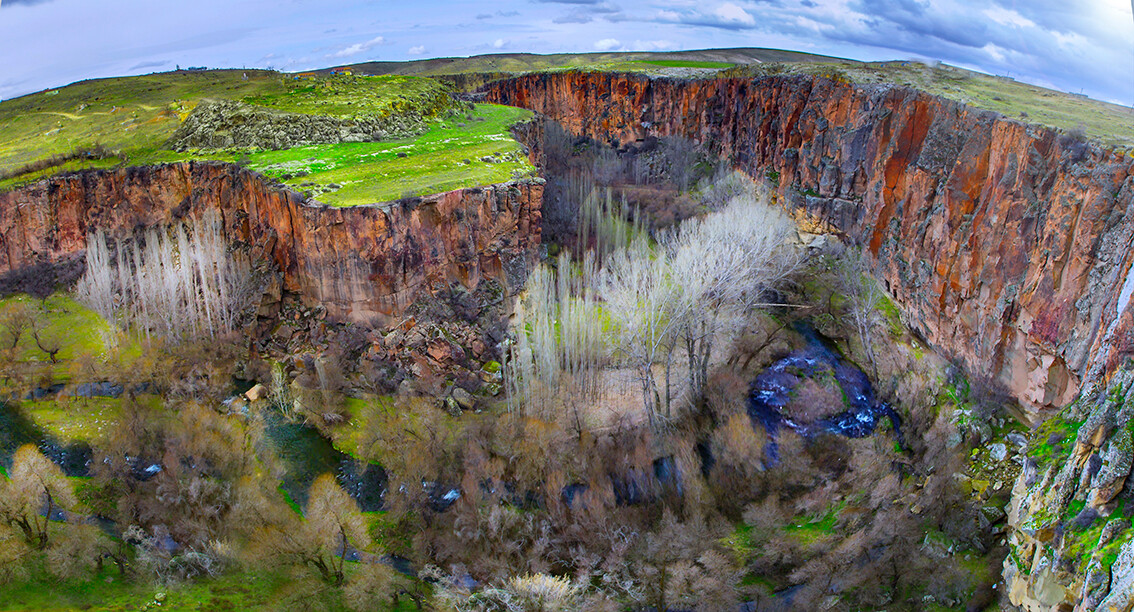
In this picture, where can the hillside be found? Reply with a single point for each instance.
(374, 138)
(388, 132)
(1110, 124)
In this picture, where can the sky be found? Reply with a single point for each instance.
(1073, 45)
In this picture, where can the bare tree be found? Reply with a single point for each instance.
(639, 302)
(725, 261)
(682, 155)
(46, 339)
(15, 320)
(178, 283)
(863, 298)
(640, 293)
(332, 524)
(559, 347)
(35, 491)
(695, 286)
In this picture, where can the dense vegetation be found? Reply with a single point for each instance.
(597, 454)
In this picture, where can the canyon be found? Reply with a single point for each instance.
(363, 264)
(1005, 244)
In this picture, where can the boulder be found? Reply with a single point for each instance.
(1116, 462)
(256, 393)
(463, 398)
(1121, 595)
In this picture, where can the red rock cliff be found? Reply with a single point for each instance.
(363, 263)
(1005, 244)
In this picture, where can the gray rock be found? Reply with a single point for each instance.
(1116, 462)
(463, 398)
(998, 451)
(223, 124)
(1121, 595)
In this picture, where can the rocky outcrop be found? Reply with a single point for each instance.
(362, 263)
(221, 124)
(1006, 245)
(1070, 538)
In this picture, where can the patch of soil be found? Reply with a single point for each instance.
(814, 399)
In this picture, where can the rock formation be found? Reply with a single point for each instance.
(362, 263)
(220, 124)
(1007, 245)
(1004, 244)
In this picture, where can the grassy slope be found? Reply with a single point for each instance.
(346, 96)
(80, 331)
(371, 172)
(530, 62)
(137, 115)
(448, 156)
(1108, 123)
(108, 593)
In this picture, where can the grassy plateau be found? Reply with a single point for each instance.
(133, 118)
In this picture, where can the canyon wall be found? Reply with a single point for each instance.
(362, 263)
(1005, 244)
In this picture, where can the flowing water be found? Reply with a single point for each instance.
(774, 388)
(305, 455)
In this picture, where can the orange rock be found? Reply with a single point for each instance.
(363, 264)
(974, 220)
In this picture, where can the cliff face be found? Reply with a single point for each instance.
(1004, 244)
(364, 263)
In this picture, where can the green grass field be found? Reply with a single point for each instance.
(136, 116)
(235, 591)
(447, 156)
(344, 96)
(451, 155)
(686, 64)
(531, 62)
(78, 329)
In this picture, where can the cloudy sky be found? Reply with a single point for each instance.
(1073, 45)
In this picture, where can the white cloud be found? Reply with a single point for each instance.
(1005, 16)
(499, 43)
(357, 48)
(418, 50)
(994, 51)
(608, 44)
(654, 45)
(731, 13)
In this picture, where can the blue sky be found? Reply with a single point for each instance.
(1072, 45)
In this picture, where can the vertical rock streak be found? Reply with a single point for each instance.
(363, 263)
(1003, 243)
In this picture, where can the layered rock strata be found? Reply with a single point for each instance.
(362, 263)
(1004, 244)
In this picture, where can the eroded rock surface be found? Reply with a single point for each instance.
(219, 124)
(362, 264)
(1005, 244)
